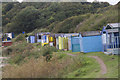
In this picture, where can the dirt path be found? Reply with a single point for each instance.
(99, 60)
(102, 65)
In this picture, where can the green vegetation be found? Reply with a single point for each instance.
(97, 21)
(68, 25)
(18, 17)
(34, 61)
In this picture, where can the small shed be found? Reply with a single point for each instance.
(60, 42)
(39, 35)
(45, 40)
(92, 42)
(68, 35)
(57, 39)
(111, 38)
(87, 42)
(32, 39)
(6, 43)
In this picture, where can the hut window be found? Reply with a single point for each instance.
(39, 36)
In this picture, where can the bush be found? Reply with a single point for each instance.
(47, 51)
(40, 68)
(20, 37)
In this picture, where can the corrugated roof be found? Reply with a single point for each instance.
(91, 33)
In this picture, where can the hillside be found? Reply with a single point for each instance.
(87, 22)
(18, 17)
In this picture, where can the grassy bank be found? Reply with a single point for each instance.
(33, 61)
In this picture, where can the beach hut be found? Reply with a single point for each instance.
(111, 38)
(39, 36)
(87, 42)
(61, 42)
(6, 43)
(7, 36)
(76, 43)
(91, 42)
(32, 39)
(6, 39)
(57, 40)
(68, 36)
(45, 40)
(51, 40)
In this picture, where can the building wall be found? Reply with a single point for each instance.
(92, 44)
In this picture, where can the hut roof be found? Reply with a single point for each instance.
(91, 33)
(113, 25)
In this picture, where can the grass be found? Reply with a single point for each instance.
(40, 68)
(111, 62)
(93, 69)
(29, 60)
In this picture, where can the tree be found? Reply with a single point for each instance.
(25, 20)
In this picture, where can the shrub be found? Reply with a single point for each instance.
(20, 37)
(47, 51)
(40, 68)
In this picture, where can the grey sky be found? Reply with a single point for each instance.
(113, 2)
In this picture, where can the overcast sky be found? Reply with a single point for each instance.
(113, 2)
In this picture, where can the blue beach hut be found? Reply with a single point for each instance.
(87, 42)
(32, 39)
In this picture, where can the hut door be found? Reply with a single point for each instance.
(75, 44)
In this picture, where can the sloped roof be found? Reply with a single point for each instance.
(91, 33)
(113, 25)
